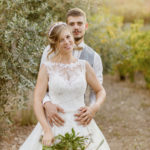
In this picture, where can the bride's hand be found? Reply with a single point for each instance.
(85, 115)
(48, 138)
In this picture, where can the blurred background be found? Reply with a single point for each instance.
(119, 30)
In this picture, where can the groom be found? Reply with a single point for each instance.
(76, 19)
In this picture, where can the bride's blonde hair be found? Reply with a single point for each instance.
(54, 35)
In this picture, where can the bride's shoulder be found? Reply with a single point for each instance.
(86, 65)
(47, 65)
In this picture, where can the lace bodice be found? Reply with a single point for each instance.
(67, 84)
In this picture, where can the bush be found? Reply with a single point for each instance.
(123, 48)
(140, 46)
(106, 36)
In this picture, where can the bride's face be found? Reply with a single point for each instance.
(66, 41)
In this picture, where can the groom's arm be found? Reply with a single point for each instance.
(98, 69)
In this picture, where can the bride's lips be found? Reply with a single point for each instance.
(68, 47)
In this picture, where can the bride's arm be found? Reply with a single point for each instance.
(87, 113)
(39, 93)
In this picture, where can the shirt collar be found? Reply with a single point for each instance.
(82, 44)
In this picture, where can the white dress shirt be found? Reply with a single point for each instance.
(97, 66)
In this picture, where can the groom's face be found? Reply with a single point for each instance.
(78, 26)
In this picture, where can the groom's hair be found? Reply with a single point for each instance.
(75, 12)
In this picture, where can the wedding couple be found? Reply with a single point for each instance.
(65, 72)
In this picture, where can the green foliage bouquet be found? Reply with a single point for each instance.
(70, 141)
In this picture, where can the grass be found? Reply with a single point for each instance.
(145, 105)
(25, 116)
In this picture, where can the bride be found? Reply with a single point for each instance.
(66, 78)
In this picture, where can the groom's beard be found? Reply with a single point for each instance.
(78, 38)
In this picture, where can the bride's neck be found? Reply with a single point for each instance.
(66, 58)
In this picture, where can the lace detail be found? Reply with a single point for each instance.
(66, 71)
(65, 65)
(67, 84)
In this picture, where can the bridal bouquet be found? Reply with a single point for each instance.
(71, 141)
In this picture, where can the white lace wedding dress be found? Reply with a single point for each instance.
(67, 85)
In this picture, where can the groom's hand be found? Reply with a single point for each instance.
(52, 114)
(85, 115)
